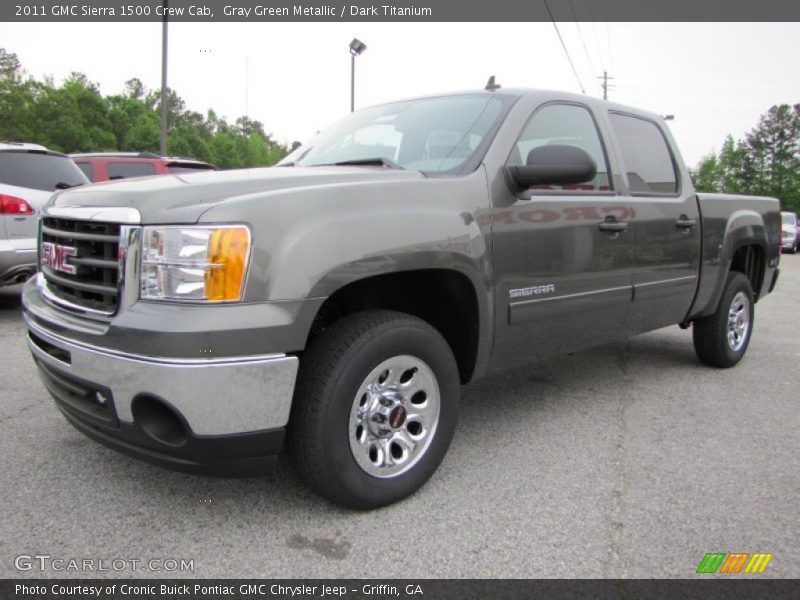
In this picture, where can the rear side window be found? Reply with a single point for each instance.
(124, 170)
(564, 125)
(648, 161)
(39, 171)
(88, 170)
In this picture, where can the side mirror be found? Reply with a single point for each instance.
(553, 165)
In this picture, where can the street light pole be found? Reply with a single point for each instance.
(352, 82)
(356, 48)
(164, 82)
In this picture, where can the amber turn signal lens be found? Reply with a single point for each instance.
(228, 249)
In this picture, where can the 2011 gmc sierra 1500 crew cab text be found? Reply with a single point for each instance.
(343, 297)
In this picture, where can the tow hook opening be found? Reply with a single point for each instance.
(158, 420)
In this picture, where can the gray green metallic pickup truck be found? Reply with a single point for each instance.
(336, 303)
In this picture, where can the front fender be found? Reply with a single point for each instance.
(310, 242)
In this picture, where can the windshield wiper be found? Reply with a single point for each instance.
(65, 186)
(378, 161)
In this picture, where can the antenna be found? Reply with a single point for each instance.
(491, 85)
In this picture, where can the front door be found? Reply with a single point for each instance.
(562, 254)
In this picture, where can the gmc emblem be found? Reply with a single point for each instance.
(55, 256)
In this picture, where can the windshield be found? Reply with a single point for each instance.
(432, 134)
(39, 171)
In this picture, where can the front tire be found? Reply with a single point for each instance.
(375, 408)
(721, 339)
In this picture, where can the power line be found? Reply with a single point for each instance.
(580, 34)
(563, 45)
(608, 36)
(597, 41)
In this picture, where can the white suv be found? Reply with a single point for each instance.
(29, 174)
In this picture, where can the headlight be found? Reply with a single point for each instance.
(195, 263)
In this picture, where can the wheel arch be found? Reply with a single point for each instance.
(448, 299)
(737, 244)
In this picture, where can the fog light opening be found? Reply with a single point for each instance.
(159, 421)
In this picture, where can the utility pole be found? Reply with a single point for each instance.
(606, 85)
(352, 82)
(164, 83)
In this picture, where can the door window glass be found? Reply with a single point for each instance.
(124, 170)
(564, 125)
(648, 161)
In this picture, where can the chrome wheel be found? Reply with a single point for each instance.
(394, 416)
(738, 321)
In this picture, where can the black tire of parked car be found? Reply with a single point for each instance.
(710, 334)
(332, 371)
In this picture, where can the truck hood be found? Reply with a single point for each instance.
(184, 198)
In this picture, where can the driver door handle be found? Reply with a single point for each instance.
(684, 222)
(612, 226)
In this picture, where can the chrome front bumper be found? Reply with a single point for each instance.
(216, 397)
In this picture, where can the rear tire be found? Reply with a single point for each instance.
(721, 339)
(375, 408)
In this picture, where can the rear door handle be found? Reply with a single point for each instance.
(684, 222)
(612, 226)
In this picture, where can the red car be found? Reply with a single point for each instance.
(104, 166)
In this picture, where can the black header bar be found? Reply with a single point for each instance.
(398, 10)
(705, 588)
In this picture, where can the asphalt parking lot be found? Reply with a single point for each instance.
(631, 460)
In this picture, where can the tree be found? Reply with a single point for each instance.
(75, 117)
(10, 67)
(191, 141)
(774, 154)
(226, 150)
(733, 178)
(144, 135)
(766, 162)
(17, 97)
(706, 176)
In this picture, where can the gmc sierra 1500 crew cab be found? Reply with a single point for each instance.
(341, 298)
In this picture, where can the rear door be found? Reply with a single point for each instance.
(563, 280)
(666, 232)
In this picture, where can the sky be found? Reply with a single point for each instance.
(715, 78)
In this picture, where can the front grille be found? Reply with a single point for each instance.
(94, 285)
